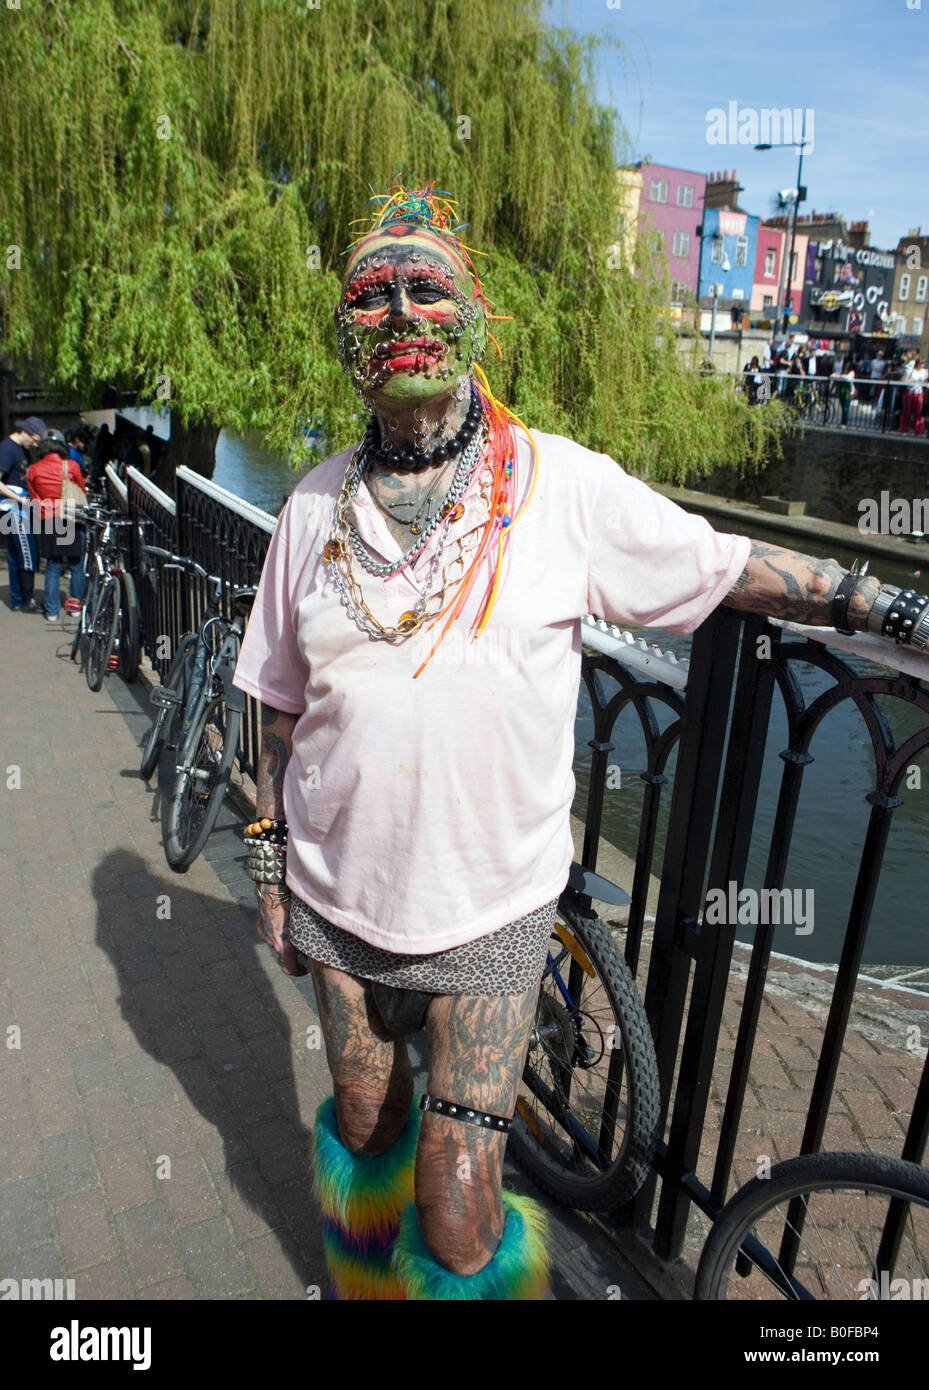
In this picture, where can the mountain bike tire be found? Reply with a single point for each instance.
(130, 652)
(837, 1203)
(199, 790)
(167, 719)
(102, 636)
(586, 1125)
(89, 601)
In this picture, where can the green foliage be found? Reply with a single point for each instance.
(169, 170)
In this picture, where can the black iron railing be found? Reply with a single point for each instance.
(720, 738)
(861, 404)
(713, 715)
(225, 535)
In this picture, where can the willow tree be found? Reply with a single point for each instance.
(179, 179)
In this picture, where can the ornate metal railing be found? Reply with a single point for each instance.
(737, 664)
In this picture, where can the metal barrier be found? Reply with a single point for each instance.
(720, 734)
(225, 535)
(862, 404)
(714, 711)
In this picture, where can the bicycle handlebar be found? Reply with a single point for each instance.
(184, 562)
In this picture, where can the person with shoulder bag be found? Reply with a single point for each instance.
(57, 483)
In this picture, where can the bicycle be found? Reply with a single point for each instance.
(846, 1226)
(199, 716)
(109, 619)
(586, 1123)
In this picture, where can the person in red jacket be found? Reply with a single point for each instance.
(60, 540)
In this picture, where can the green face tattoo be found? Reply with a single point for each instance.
(408, 325)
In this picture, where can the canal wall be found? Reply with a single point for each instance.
(831, 472)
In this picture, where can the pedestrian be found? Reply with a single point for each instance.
(417, 656)
(103, 451)
(844, 390)
(21, 553)
(913, 399)
(878, 373)
(60, 538)
(753, 379)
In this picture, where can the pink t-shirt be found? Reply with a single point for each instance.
(426, 813)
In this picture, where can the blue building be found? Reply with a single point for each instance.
(728, 236)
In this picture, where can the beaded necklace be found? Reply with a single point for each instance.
(344, 545)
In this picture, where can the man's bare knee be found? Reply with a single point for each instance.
(370, 1117)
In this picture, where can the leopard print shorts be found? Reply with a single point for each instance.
(507, 961)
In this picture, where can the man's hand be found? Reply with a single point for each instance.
(274, 926)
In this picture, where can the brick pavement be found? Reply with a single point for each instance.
(156, 1103)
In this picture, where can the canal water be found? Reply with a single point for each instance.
(833, 813)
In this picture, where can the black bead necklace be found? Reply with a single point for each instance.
(414, 460)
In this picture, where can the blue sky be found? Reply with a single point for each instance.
(861, 66)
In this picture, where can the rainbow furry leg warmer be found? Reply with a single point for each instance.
(518, 1270)
(362, 1199)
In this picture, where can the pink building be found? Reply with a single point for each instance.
(768, 261)
(794, 292)
(671, 210)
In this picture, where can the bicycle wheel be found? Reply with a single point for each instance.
(102, 633)
(586, 1121)
(815, 1229)
(129, 650)
(167, 720)
(88, 604)
(201, 784)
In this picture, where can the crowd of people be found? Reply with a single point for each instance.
(884, 379)
(44, 476)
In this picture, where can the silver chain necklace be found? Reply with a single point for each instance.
(463, 475)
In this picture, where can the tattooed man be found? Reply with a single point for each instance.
(415, 644)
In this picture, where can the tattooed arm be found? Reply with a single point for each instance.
(798, 588)
(273, 901)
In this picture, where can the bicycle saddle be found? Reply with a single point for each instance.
(243, 599)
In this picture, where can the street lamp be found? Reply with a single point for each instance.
(724, 265)
(795, 206)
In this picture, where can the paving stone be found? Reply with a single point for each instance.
(164, 1127)
(84, 1230)
(93, 1067)
(151, 1251)
(109, 1118)
(282, 1272)
(69, 1164)
(248, 1201)
(145, 1080)
(108, 1282)
(127, 1176)
(214, 1262)
(188, 1194)
(301, 1213)
(40, 1262)
(25, 1219)
(15, 1096)
(178, 1288)
(20, 1152)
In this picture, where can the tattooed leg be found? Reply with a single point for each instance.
(477, 1046)
(372, 1078)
